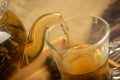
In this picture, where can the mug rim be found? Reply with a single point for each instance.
(93, 46)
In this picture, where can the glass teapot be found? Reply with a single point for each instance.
(16, 48)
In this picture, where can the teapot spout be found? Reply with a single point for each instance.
(36, 37)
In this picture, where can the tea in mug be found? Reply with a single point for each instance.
(85, 65)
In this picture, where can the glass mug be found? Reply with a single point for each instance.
(81, 48)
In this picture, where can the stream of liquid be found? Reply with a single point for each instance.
(66, 31)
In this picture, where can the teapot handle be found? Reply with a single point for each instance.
(35, 40)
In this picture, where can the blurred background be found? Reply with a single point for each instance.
(29, 10)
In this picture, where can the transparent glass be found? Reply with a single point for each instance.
(81, 48)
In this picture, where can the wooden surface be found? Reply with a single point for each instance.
(29, 10)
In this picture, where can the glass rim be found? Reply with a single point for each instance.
(87, 48)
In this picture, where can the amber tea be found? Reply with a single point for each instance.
(87, 65)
